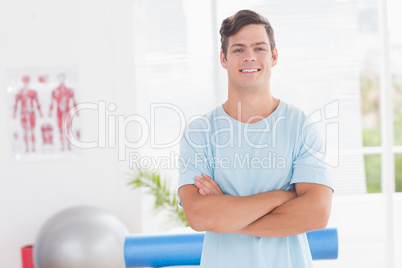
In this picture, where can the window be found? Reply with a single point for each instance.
(395, 50)
(370, 85)
(369, 67)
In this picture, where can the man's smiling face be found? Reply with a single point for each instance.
(249, 58)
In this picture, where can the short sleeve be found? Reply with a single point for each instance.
(194, 159)
(310, 164)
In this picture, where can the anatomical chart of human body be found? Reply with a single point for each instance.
(43, 115)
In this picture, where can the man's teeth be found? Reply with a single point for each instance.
(249, 70)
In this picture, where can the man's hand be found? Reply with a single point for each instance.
(207, 186)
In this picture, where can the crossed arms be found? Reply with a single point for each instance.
(270, 214)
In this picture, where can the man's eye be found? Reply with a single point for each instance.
(260, 49)
(238, 50)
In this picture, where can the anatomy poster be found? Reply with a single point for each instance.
(43, 115)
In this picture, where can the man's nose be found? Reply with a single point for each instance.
(249, 55)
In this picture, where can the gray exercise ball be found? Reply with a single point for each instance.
(81, 237)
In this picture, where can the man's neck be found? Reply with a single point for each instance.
(250, 107)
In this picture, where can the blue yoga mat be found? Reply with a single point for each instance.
(185, 249)
(323, 244)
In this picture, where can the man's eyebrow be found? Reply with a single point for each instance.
(243, 45)
(237, 45)
(259, 43)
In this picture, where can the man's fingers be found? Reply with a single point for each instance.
(202, 184)
(208, 185)
(211, 184)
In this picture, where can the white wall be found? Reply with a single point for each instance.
(95, 36)
(361, 231)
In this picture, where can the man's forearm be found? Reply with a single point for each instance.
(305, 213)
(224, 213)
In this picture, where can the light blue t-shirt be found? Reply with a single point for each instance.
(247, 159)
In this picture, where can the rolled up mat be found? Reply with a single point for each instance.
(163, 250)
(323, 244)
(185, 249)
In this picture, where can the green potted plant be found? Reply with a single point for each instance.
(166, 200)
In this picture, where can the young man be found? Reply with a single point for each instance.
(251, 176)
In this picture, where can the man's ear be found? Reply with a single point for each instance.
(223, 60)
(274, 57)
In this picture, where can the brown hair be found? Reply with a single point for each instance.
(230, 26)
